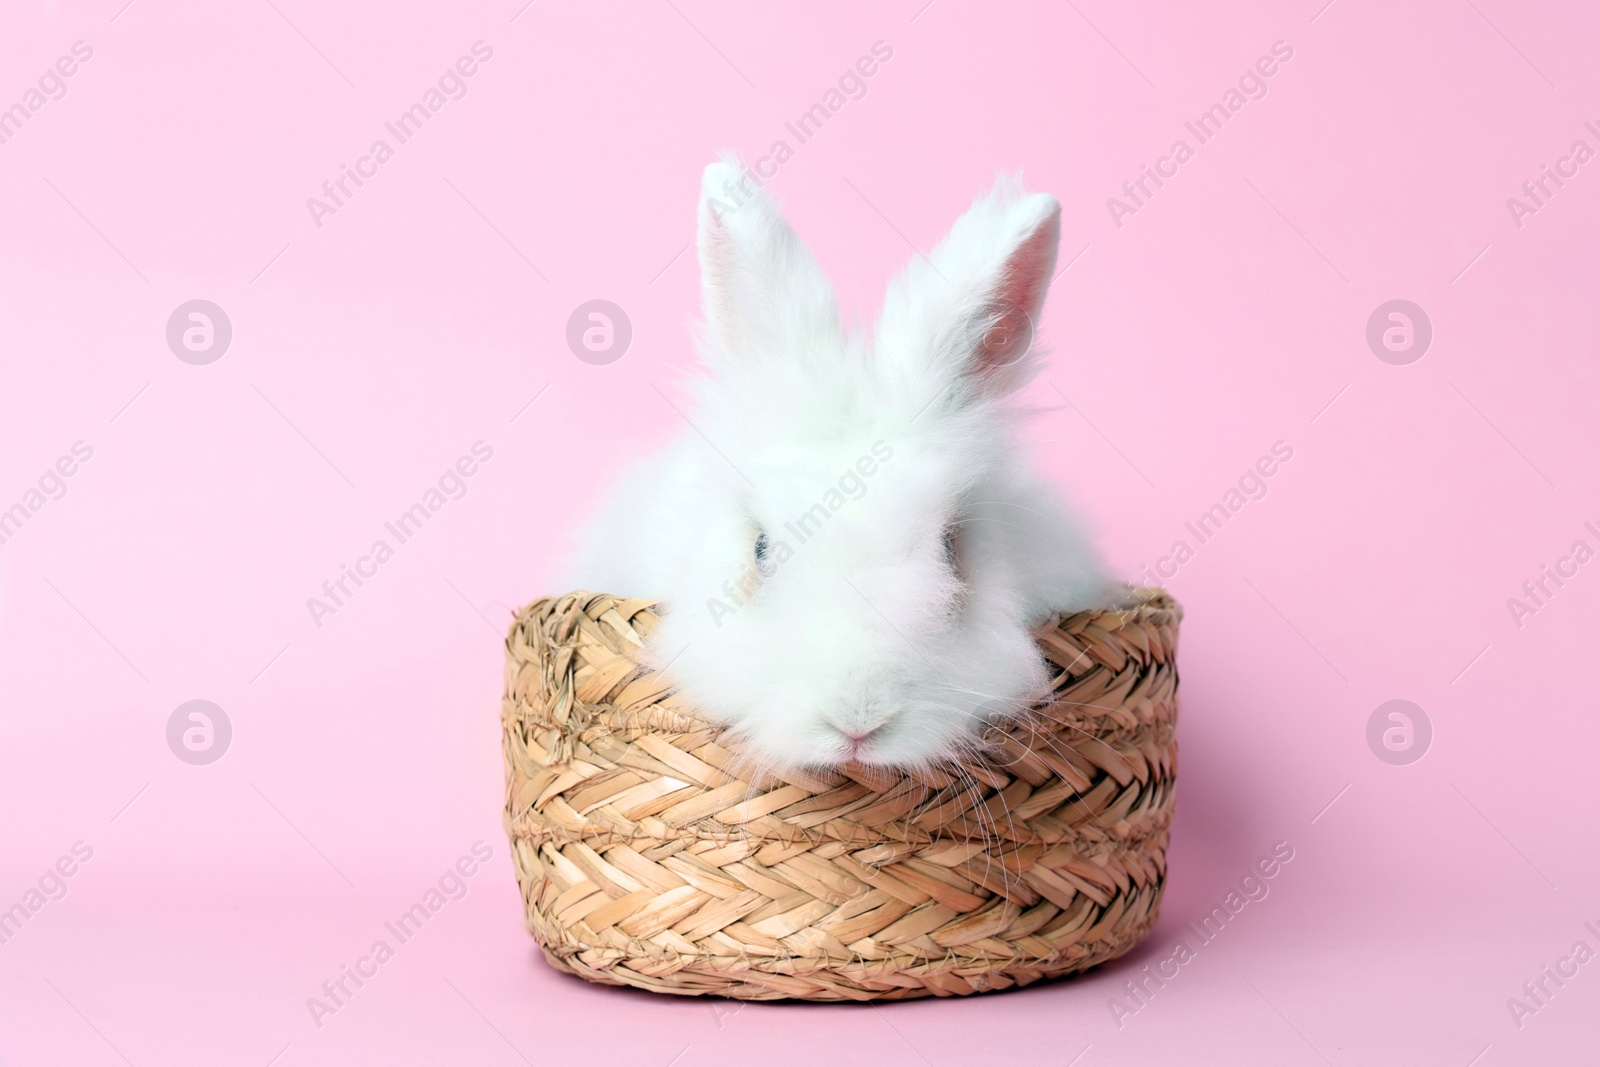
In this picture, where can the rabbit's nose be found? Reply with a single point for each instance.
(857, 736)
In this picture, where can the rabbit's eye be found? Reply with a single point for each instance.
(952, 547)
(763, 554)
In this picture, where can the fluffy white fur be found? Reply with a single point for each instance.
(870, 640)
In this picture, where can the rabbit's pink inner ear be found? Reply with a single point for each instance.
(1013, 307)
(718, 254)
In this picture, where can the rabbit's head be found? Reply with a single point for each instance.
(862, 550)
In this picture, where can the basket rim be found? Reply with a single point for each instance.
(1137, 603)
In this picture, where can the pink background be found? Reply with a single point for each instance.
(1227, 314)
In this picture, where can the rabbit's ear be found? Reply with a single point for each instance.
(965, 315)
(761, 289)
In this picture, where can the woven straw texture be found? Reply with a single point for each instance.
(649, 854)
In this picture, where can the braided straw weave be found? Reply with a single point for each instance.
(648, 855)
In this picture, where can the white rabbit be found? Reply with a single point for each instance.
(849, 547)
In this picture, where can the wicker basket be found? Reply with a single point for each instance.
(643, 861)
